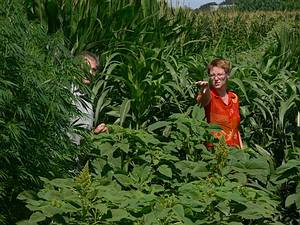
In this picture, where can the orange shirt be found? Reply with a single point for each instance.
(226, 116)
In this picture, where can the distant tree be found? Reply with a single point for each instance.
(206, 6)
(228, 2)
(270, 5)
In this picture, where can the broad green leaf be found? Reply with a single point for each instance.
(50, 211)
(49, 194)
(224, 207)
(179, 211)
(141, 173)
(162, 213)
(183, 128)
(98, 164)
(124, 180)
(250, 214)
(114, 162)
(118, 214)
(156, 188)
(188, 221)
(233, 196)
(36, 217)
(196, 169)
(291, 199)
(198, 113)
(101, 207)
(165, 170)
(62, 182)
(105, 148)
(150, 218)
(157, 125)
(26, 195)
(240, 177)
(69, 208)
(123, 146)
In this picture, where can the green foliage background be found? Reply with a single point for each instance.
(153, 166)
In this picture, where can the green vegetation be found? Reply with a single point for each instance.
(269, 5)
(153, 166)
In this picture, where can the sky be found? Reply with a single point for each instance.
(193, 3)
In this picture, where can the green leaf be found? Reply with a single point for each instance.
(297, 198)
(114, 162)
(188, 221)
(49, 194)
(98, 165)
(156, 188)
(183, 128)
(150, 218)
(50, 211)
(118, 214)
(276, 223)
(198, 113)
(62, 182)
(105, 148)
(291, 199)
(123, 146)
(36, 217)
(26, 195)
(179, 211)
(165, 170)
(239, 177)
(241, 86)
(25, 222)
(124, 180)
(141, 173)
(196, 169)
(224, 207)
(285, 105)
(102, 208)
(101, 103)
(291, 164)
(157, 125)
(69, 208)
(125, 107)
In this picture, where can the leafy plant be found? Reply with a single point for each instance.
(35, 107)
(142, 178)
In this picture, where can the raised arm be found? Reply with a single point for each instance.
(203, 96)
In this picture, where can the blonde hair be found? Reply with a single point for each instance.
(221, 63)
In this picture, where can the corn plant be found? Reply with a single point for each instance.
(271, 101)
(140, 82)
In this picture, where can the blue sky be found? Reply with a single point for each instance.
(193, 3)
